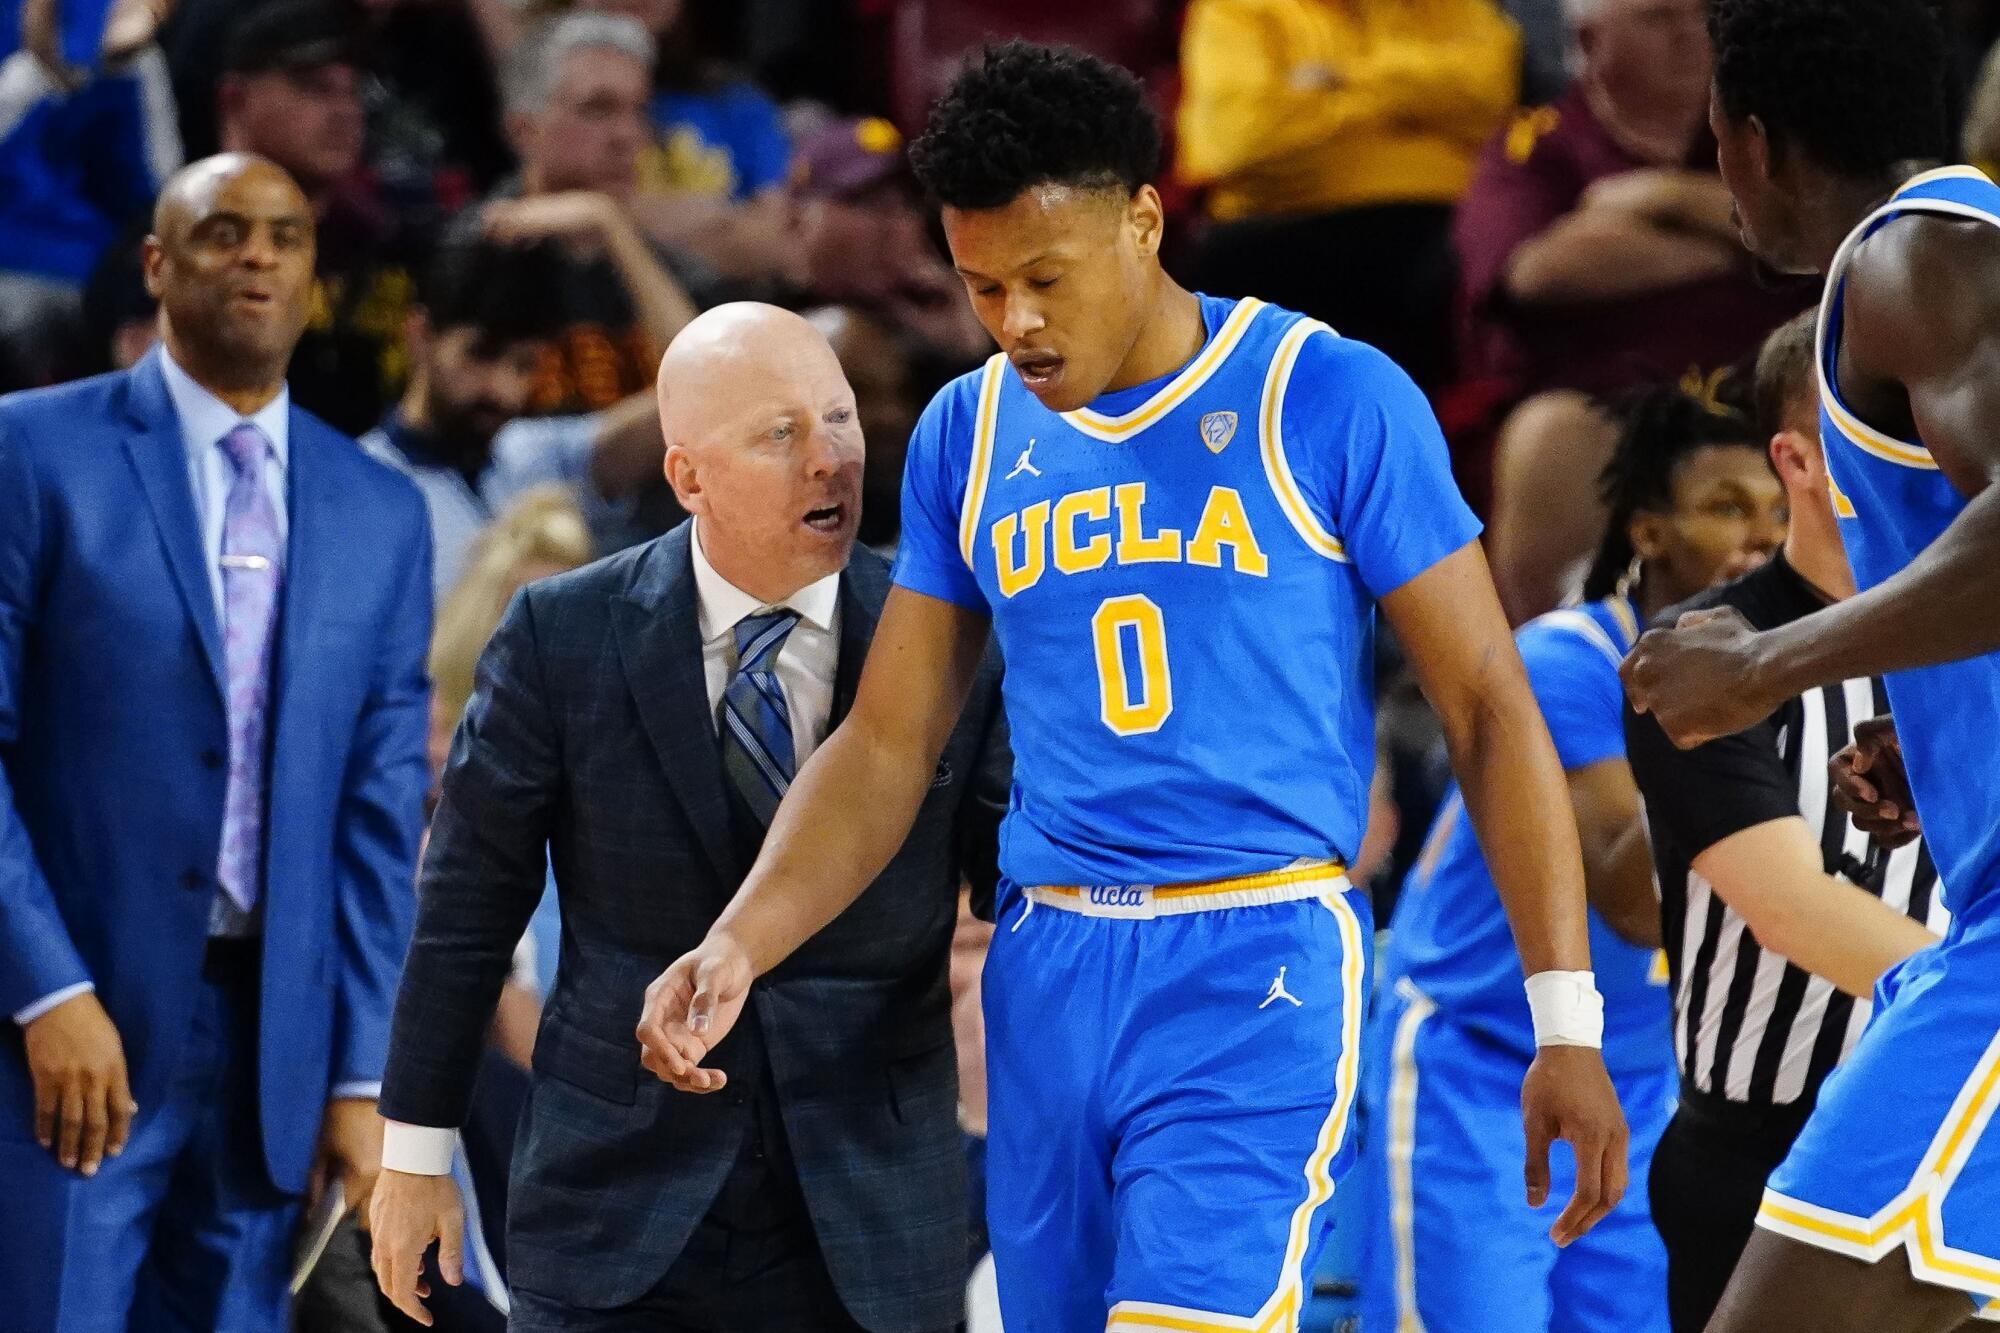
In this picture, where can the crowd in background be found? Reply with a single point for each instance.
(520, 204)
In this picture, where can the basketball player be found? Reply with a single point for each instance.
(1179, 514)
(1885, 1216)
(1692, 501)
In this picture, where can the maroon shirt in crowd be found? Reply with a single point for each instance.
(1534, 172)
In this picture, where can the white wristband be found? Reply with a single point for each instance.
(1567, 1009)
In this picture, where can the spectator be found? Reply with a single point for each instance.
(878, 367)
(477, 340)
(291, 92)
(855, 196)
(1333, 139)
(431, 96)
(78, 160)
(712, 181)
(576, 108)
(1598, 252)
(1598, 247)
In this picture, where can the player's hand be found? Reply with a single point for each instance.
(1698, 678)
(83, 1100)
(690, 1008)
(405, 1215)
(1869, 783)
(1568, 1095)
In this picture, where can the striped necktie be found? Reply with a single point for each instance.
(251, 554)
(755, 721)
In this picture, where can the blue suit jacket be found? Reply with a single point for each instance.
(113, 740)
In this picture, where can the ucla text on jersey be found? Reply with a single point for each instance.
(1182, 577)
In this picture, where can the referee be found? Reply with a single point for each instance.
(1778, 914)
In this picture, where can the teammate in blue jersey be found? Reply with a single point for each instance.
(1449, 1244)
(1178, 515)
(1831, 117)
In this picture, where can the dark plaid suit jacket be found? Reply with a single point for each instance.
(589, 734)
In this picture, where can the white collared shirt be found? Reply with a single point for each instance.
(806, 663)
(205, 419)
(805, 667)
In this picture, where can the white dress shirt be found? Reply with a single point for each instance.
(805, 669)
(204, 420)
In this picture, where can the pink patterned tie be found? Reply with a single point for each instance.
(251, 556)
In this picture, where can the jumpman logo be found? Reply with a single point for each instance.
(1278, 992)
(1024, 464)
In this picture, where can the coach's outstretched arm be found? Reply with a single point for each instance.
(1457, 641)
(847, 812)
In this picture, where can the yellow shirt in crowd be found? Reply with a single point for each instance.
(1299, 106)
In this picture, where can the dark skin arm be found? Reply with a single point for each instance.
(1617, 863)
(1920, 356)
(1448, 619)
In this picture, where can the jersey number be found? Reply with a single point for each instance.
(1127, 710)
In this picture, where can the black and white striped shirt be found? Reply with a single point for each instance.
(1748, 1025)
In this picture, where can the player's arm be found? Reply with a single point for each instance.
(1923, 318)
(847, 812)
(1617, 862)
(1772, 875)
(1449, 621)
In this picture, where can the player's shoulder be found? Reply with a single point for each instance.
(1935, 269)
(1341, 372)
(1571, 640)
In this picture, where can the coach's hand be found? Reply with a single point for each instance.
(1699, 679)
(690, 1007)
(1568, 1095)
(1869, 783)
(83, 1099)
(405, 1214)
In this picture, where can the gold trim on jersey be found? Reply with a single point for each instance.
(984, 424)
(1914, 1219)
(1904, 453)
(1271, 443)
(1280, 1312)
(1117, 430)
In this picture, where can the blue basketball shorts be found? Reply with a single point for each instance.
(1171, 1078)
(1900, 1152)
(1451, 1245)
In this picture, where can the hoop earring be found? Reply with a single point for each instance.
(1630, 578)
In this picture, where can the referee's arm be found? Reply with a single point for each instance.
(1770, 873)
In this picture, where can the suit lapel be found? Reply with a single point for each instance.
(159, 456)
(863, 586)
(312, 529)
(659, 646)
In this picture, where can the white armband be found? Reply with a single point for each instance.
(1567, 1009)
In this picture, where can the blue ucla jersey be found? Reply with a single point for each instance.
(1893, 502)
(1182, 578)
(1450, 936)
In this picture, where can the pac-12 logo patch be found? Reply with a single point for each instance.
(1217, 430)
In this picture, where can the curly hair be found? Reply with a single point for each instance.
(1857, 85)
(1021, 115)
(1662, 426)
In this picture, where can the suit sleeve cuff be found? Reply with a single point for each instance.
(417, 1150)
(357, 1088)
(34, 1011)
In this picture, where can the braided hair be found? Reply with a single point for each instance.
(1661, 427)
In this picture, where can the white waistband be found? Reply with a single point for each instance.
(1141, 902)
